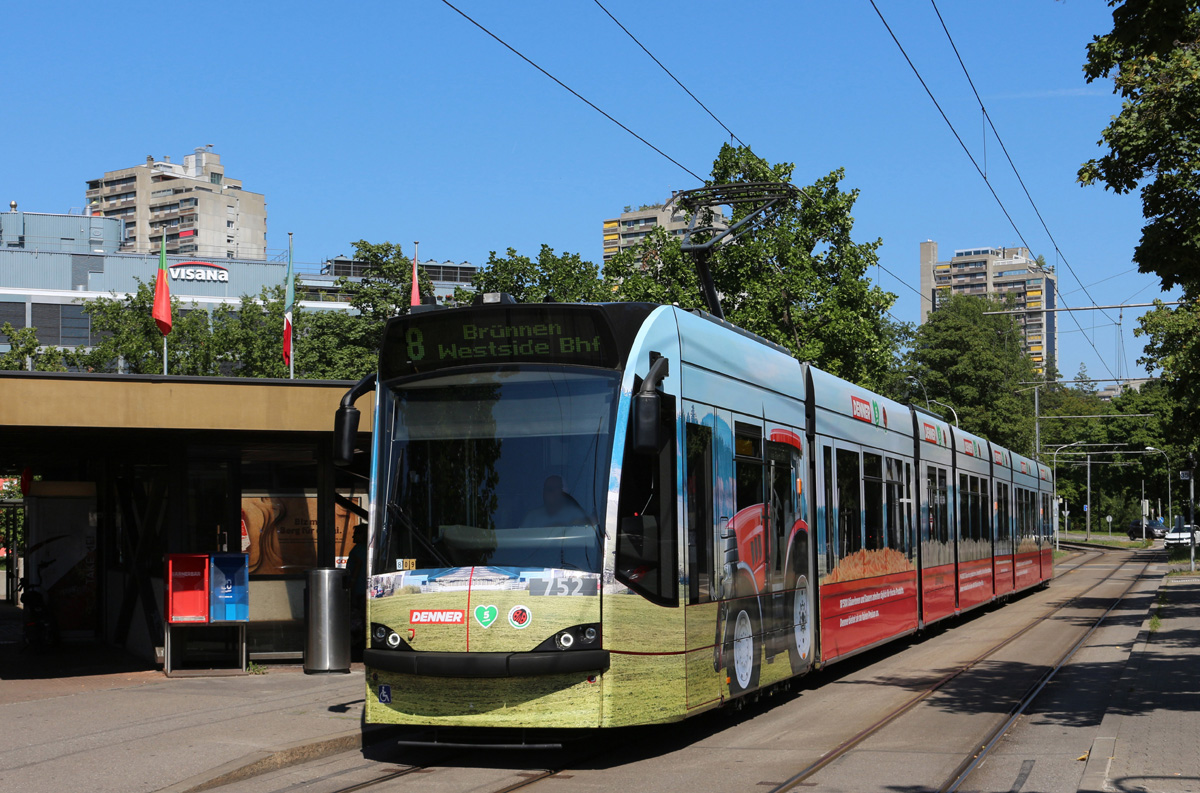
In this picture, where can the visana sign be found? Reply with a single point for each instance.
(198, 271)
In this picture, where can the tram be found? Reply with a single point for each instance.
(601, 515)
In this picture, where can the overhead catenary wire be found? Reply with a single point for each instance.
(572, 91)
(668, 71)
(974, 162)
(987, 117)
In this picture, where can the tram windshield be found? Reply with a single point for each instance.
(505, 468)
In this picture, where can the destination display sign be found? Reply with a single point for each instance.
(513, 334)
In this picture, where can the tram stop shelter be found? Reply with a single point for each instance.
(120, 470)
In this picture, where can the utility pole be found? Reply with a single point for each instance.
(1037, 427)
(1088, 506)
(1191, 464)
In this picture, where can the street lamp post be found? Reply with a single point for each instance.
(952, 410)
(918, 382)
(1054, 476)
(1087, 507)
(1170, 511)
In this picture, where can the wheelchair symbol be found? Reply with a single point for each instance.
(385, 694)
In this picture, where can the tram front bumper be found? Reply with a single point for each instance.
(486, 665)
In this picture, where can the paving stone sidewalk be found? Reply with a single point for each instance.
(1150, 738)
(91, 718)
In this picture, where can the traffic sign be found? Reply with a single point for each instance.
(1185, 475)
(1109, 519)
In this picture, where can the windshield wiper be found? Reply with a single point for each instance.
(396, 512)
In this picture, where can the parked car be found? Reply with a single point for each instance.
(1180, 537)
(1155, 529)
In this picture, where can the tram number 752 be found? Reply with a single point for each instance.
(563, 586)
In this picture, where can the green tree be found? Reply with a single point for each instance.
(1173, 346)
(564, 278)
(1153, 57)
(249, 339)
(799, 280)
(130, 341)
(385, 291)
(334, 345)
(977, 364)
(23, 348)
(655, 271)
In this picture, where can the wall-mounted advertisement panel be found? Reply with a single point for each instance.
(279, 532)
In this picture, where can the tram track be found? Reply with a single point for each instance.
(448, 765)
(985, 745)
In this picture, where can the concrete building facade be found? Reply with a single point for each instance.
(997, 272)
(200, 210)
(631, 227)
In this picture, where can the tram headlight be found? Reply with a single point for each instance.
(393, 640)
(576, 637)
(379, 633)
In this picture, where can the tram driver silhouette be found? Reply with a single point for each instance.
(558, 508)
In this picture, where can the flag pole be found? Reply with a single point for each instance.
(415, 298)
(292, 339)
(164, 355)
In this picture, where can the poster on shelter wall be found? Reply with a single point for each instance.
(280, 533)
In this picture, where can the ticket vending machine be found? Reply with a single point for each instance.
(206, 591)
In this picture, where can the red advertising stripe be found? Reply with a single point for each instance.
(974, 583)
(859, 613)
(1004, 574)
(1028, 569)
(937, 592)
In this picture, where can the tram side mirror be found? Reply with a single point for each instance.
(345, 434)
(647, 419)
(646, 423)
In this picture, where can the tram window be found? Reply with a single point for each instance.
(646, 546)
(782, 490)
(1003, 527)
(748, 491)
(849, 503)
(699, 479)
(971, 507)
(897, 507)
(873, 501)
(825, 515)
(939, 506)
(909, 513)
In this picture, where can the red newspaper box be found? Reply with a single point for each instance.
(187, 588)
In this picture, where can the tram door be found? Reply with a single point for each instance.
(701, 480)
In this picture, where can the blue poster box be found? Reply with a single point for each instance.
(229, 587)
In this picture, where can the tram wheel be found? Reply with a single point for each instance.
(800, 617)
(744, 638)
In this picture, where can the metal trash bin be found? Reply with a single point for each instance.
(327, 607)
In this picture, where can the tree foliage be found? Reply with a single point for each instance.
(1153, 57)
(1173, 347)
(799, 279)
(24, 349)
(385, 289)
(978, 365)
(131, 342)
(563, 278)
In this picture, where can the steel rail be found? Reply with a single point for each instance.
(968, 766)
(849, 744)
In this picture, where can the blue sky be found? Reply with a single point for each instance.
(402, 122)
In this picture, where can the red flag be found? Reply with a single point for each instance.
(416, 291)
(162, 292)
